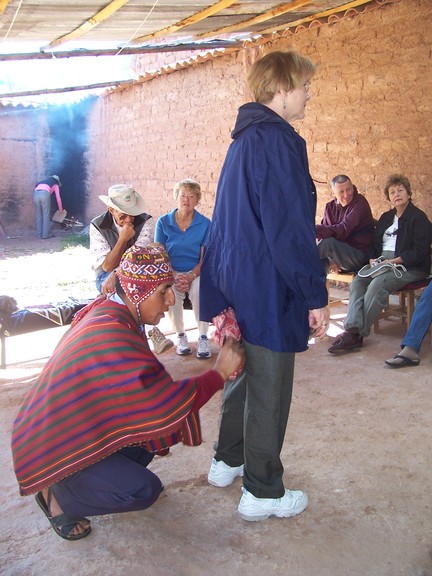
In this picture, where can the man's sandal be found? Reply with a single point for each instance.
(62, 524)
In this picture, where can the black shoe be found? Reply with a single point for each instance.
(346, 342)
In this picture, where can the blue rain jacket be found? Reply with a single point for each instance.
(261, 256)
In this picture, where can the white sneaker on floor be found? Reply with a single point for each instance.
(222, 475)
(203, 349)
(183, 348)
(160, 343)
(292, 503)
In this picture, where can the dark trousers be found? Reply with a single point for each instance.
(119, 483)
(345, 256)
(255, 413)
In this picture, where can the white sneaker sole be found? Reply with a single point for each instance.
(261, 515)
(256, 518)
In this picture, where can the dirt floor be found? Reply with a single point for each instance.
(358, 442)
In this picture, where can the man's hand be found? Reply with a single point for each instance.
(230, 358)
(127, 232)
(108, 285)
(334, 268)
(181, 282)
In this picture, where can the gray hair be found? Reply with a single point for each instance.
(340, 179)
(189, 184)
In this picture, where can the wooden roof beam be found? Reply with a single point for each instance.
(197, 17)
(99, 17)
(324, 14)
(246, 24)
(204, 46)
(3, 5)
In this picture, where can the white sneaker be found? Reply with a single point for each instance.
(183, 348)
(222, 475)
(203, 350)
(292, 503)
(160, 343)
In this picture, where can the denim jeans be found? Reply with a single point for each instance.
(102, 276)
(420, 322)
(255, 413)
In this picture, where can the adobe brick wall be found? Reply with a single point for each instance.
(370, 115)
(22, 161)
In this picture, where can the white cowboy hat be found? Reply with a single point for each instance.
(123, 198)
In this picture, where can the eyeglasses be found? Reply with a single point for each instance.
(186, 196)
(394, 233)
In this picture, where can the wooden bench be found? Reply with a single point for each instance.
(344, 277)
(405, 308)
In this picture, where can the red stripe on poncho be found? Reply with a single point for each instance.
(101, 390)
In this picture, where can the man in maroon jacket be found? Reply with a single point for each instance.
(345, 235)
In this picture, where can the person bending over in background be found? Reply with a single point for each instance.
(103, 405)
(42, 202)
(345, 235)
(183, 232)
(124, 224)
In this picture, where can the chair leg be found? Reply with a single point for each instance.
(403, 305)
(410, 306)
(3, 350)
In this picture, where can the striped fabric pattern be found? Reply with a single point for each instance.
(101, 390)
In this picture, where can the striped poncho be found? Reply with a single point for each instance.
(101, 390)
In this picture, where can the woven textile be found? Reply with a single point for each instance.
(101, 390)
(141, 270)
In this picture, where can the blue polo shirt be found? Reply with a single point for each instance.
(184, 248)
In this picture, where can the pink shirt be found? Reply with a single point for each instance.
(52, 189)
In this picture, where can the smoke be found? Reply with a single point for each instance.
(68, 125)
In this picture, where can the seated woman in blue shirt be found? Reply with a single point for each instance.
(183, 232)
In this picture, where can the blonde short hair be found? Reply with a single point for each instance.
(189, 184)
(278, 71)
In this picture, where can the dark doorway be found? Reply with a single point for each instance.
(68, 124)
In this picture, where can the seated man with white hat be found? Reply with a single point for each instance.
(124, 224)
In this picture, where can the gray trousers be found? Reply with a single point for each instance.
(345, 256)
(369, 296)
(255, 413)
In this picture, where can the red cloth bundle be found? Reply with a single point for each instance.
(226, 325)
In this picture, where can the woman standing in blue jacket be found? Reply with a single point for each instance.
(261, 259)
